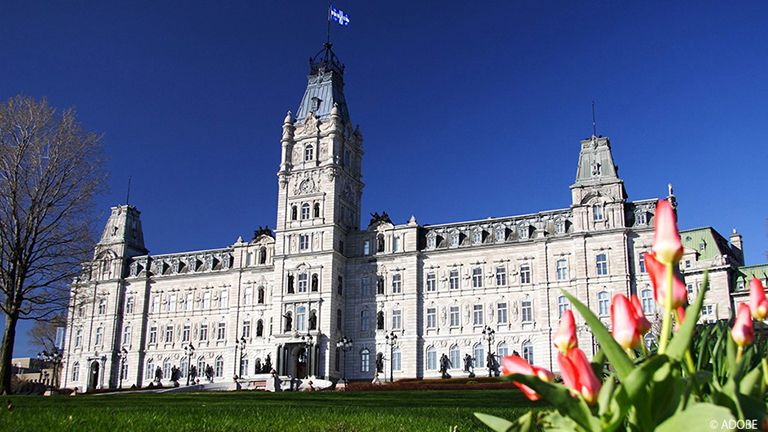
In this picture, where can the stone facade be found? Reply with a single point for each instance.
(292, 295)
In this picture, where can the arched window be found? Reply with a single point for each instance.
(201, 365)
(305, 211)
(317, 210)
(527, 349)
(646, 297)
(127, 335)
(602, 303)
(364, 317)
(259, 328)
(455, 357)
(99, 335)
(183, 367)
(396, 359)
(309, 152)
(262, 255)
(431, 358)
(562, 305)
(261, 295)
(380, 243)
(248, 296)
(301, 318)
(502, 350)
(294, 212)
(478, 355)
(244, 366)
(149, 373)
(315, 282)
(219, 367)
(365, 360)
(167, 368)
(76, 371)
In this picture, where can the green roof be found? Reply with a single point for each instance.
(744, 274)
(706, 241)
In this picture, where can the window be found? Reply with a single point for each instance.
(248, 259)
(396, 359)
(562, 269)
(243, 366)
(339, 320)
(646, 297)
(477, 315)
(304, 242)
(188, 302)
(81, 310)
(501, 276)
(219, 367)
(431, 241)
(397, 286)
(740, 284)
(169, 334)
(602, 303)
(150, 372)
(247, 329)
(294, 212)
(99, 336)
(455, 356)
(221, 331)
(316, 209)
(397, 319)
(478, 357)
(477, 237)
(102, 306)
(601, 261)
(455, 320)
(523, 231)
(129, 305)
(431, 318)
(301, 318)
(597, 212)
(183, 367)
(201, 365)
(248, 296)
(500, 234)
(528, 351)
(365, 286)
(431, 358)
(203, 334)
(339, 285)
(223, 298)
(365, 360)
(367, 248)
(501, 313)
(156, 303)
(172, 300)
(707, 309)
(641, 218)
(453, 280)
(78, 338)
(690, 289)
(431, 282)
(687, 263)
(477, 277)
(525, 273)
(153, 335)
(185, 333)
(207, 300)
(526, 311)
(76, 371)
(305, 211)
(364, 321)
(396, 244)
(127, 335)
(303, 282)
(560, 227)
(562, 305)
(455, 240)
(124, 370)
(309, 152)
(167, 369)
(641, 262)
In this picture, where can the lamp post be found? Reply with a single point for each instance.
(53, 357)
(391, 340)
(307, 339)
(344, 344)
(488, 334)
(242, 352)
(189, 350)
(123, 356)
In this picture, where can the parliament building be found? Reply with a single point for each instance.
(401, 295)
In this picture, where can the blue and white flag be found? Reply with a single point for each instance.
(339, 16)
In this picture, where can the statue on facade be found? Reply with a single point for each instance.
(193, 373)
(209, 373)
(175, 375)
(492, 364)
(257, 366)
(380, 320)
(158, 374)
(267, 363)
(312, 321)
(468, 365)
(379, 363)
(445, 364)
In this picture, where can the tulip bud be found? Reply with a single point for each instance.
(680, 318)
(742, 332)
(658, 273)
(757, 301)
(577, 374)
(666, 239)
(643, 325)
(513, 364)
(565, 339)
(624, 325)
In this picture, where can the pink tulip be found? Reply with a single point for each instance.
(658, 273)
(513, 364)
(624, 326)
(643, 325)
(565, 339)
(666, 239)
(680, 318)
(742, 332)
(757, 302)
(578, 374)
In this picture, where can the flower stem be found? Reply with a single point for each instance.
(739, 353)
(666, 323)
(688, 358)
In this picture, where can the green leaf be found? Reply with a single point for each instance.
(618, 358)
(496, 423)
(697, 417)
(560, 397)
(751, 383)
(682, 339)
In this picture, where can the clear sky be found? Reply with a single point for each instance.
(468, 109)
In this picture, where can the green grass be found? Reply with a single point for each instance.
(259, 411)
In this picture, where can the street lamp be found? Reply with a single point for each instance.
(242, 354)
(307, 339)
(488, 334)
(344, 344)
(189, 350)
(53, 357)
(391, 340)
(123, 356)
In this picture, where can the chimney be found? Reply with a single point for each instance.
(737, 249)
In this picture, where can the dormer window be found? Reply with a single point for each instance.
(560, 227)
(316, 101)
(702, 246)
(641, 218)
(500, 234)
(477, 237)
(455, 240)
(522, 232)
(431, 241)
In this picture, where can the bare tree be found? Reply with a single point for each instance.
(43, 333)
(50, 170)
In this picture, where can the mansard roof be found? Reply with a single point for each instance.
(325, 87)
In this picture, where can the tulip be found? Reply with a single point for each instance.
(513, 364)
(565, 339)
(757, 302)
(666, 238)
(742, 331)
(624, 326)
(578, 374)
(643, 325)
(680, 318)
(657, 272)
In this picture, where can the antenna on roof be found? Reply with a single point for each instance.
(128, 194)
(594, 123)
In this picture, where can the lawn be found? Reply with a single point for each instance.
(417, 410)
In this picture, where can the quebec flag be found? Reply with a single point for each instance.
(339, 16)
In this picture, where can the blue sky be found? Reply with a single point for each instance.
(468, 110)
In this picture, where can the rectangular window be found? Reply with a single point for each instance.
(367, 247)
(99, 336)
(204, 332)
(597, 212)
(169, 334)
(397, 285)
(172, 300)
(156, 303)
(185, 333)
(601, 261)
(562, 269)
(431, 282)
(207, 300)
(365, 286)
(396, 244)
(477, 277)
(223, 298)
(221, 331)
(188, 302)
(455, 321)
(153, 335)
(304, 242)
(102, 306)
(526, 311)
(501, 276)
(477, 315)
(501, 313)
(525, 273)
(303, 282)
(397, 322)
(453, 280)
(247, 329)
(78, 338)
(431, 318)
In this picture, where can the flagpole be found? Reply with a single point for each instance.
(328, 26)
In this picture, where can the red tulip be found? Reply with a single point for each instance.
(666, 239)
(513, 364)
(658, 273)
(578, 374)
(757, 302)
(565, 339)
(624, 326)
(680, 318)
(742, 331)
(643, 325)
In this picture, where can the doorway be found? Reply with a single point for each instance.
(93, 376)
